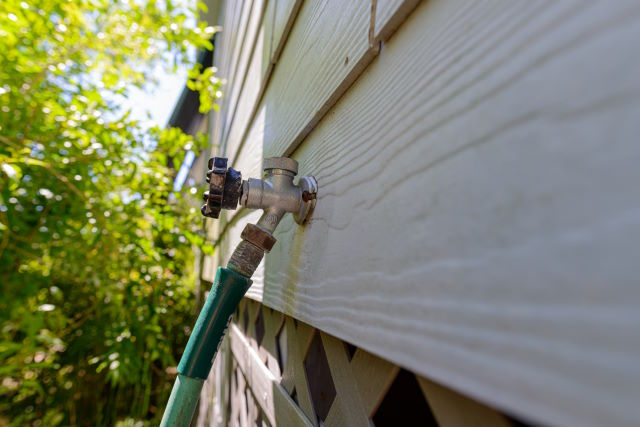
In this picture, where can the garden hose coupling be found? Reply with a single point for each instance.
(276, 194)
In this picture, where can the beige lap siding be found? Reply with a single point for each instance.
(478, 212)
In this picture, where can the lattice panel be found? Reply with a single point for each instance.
(275, 370)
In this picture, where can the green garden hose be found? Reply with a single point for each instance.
(228, 289)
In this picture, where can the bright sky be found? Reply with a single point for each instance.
(160, 102)
(154, 107)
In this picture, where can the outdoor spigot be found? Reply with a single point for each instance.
(276, 194)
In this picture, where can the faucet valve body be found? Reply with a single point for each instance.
(275, 194)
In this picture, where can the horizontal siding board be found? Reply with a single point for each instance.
(478, 212)
(229, 17)
(249, 162)
(231, 31)
(255, 41)
(284, 17)
(389, 15)
(221, 53)
(227, 51)
(247, 131)
(257, 75)
(327, 48)
(237, 34)
(276, 22)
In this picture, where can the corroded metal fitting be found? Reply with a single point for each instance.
(246, 258)
(309, 187)
(256, 235)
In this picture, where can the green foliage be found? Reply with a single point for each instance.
(207, 85)
(96, 250)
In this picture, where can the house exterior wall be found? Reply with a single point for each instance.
(477, 222)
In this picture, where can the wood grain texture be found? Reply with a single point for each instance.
(276, 20)
(254, 66)
(245, 121)
(254, 41)
(236, 16)
(283, 19)
(221, 51)
(327, 48)
(389, 15)
(271, 396)
(222, 59)
(479, 206)
(237, 33)
(254, 86)
(228, 21)
(249, 162)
